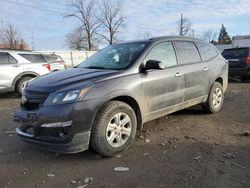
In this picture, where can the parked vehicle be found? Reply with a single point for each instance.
(239, 61)
(18, 67)
(15, 70)
(54, 62)
(102, 102)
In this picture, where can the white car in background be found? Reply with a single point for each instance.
(18, 67)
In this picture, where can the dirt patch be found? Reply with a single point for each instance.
(185, 149)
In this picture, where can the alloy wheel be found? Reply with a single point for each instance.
(118, 130)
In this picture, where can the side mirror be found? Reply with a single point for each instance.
(153, 64)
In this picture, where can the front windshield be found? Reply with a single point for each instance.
(117, 56)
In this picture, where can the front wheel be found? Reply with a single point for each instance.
(215, 99)
(114, 129)
(21, 83)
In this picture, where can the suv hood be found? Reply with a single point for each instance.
(61, 79)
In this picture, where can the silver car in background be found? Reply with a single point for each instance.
(17, 67)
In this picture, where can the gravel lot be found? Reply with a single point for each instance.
(186, 149)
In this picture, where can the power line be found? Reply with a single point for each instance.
(53, 2)
(34, 7)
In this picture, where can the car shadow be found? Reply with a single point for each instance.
(9, 95)
(194, 110)
(43, 155)
(234, 80)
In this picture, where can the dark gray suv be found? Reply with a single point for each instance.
(102, 102)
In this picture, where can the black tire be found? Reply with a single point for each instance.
(209, 105)
(20, 84)
(99, 141)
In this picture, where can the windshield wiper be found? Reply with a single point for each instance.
(95, 67)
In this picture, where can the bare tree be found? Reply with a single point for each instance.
(85, 12)
(10, 38)
(209, 35)
(184, 25)
(144, 35)
(76, 40)
(111, 19)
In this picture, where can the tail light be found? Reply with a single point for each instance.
(47, 66)
(248, 60)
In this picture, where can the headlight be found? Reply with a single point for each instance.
(26, 83)
(66, 96)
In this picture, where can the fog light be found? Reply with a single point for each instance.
(57, 124)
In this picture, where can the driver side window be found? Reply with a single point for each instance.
(163, 52)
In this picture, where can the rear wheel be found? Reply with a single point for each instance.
(21, 83)
(215, 99)
(114, 129)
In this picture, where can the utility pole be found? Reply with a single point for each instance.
(32, 41)
(181, 25)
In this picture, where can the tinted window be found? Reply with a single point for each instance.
(117, 56)
(12, 60)
(33, 58)
(207, 51)
(163, 52)
(235, 53)
(51, 58)
(6, 58)
(187, 52)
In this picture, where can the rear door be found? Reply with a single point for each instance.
(211, 64)
(9, 69)
(36, 62)
(162, 88)
(236, 57)
(194, 71)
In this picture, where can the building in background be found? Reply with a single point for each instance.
(237, 41)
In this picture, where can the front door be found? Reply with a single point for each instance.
(162, 88)
(9, 69)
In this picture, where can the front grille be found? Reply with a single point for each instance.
(34, 99)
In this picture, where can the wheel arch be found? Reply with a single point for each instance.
(134, 105)
(131, 101)
(217, 79)
(21, 75)
(220, 80)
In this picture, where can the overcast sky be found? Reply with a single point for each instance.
(43, 19)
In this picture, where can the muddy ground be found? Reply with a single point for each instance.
(186, 149)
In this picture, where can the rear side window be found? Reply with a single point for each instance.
(6, 58)
(187, 52)
(163, 52)
(51, 58)
(207, 51)
(34, 58)
(235, 53)
(12, 60)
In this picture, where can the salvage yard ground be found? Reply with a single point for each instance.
(185, 149)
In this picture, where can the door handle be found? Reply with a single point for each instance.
(15, 65)
(178, 74)
(205, 68)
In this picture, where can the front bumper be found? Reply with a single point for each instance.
(71, 139)
(80, 142)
